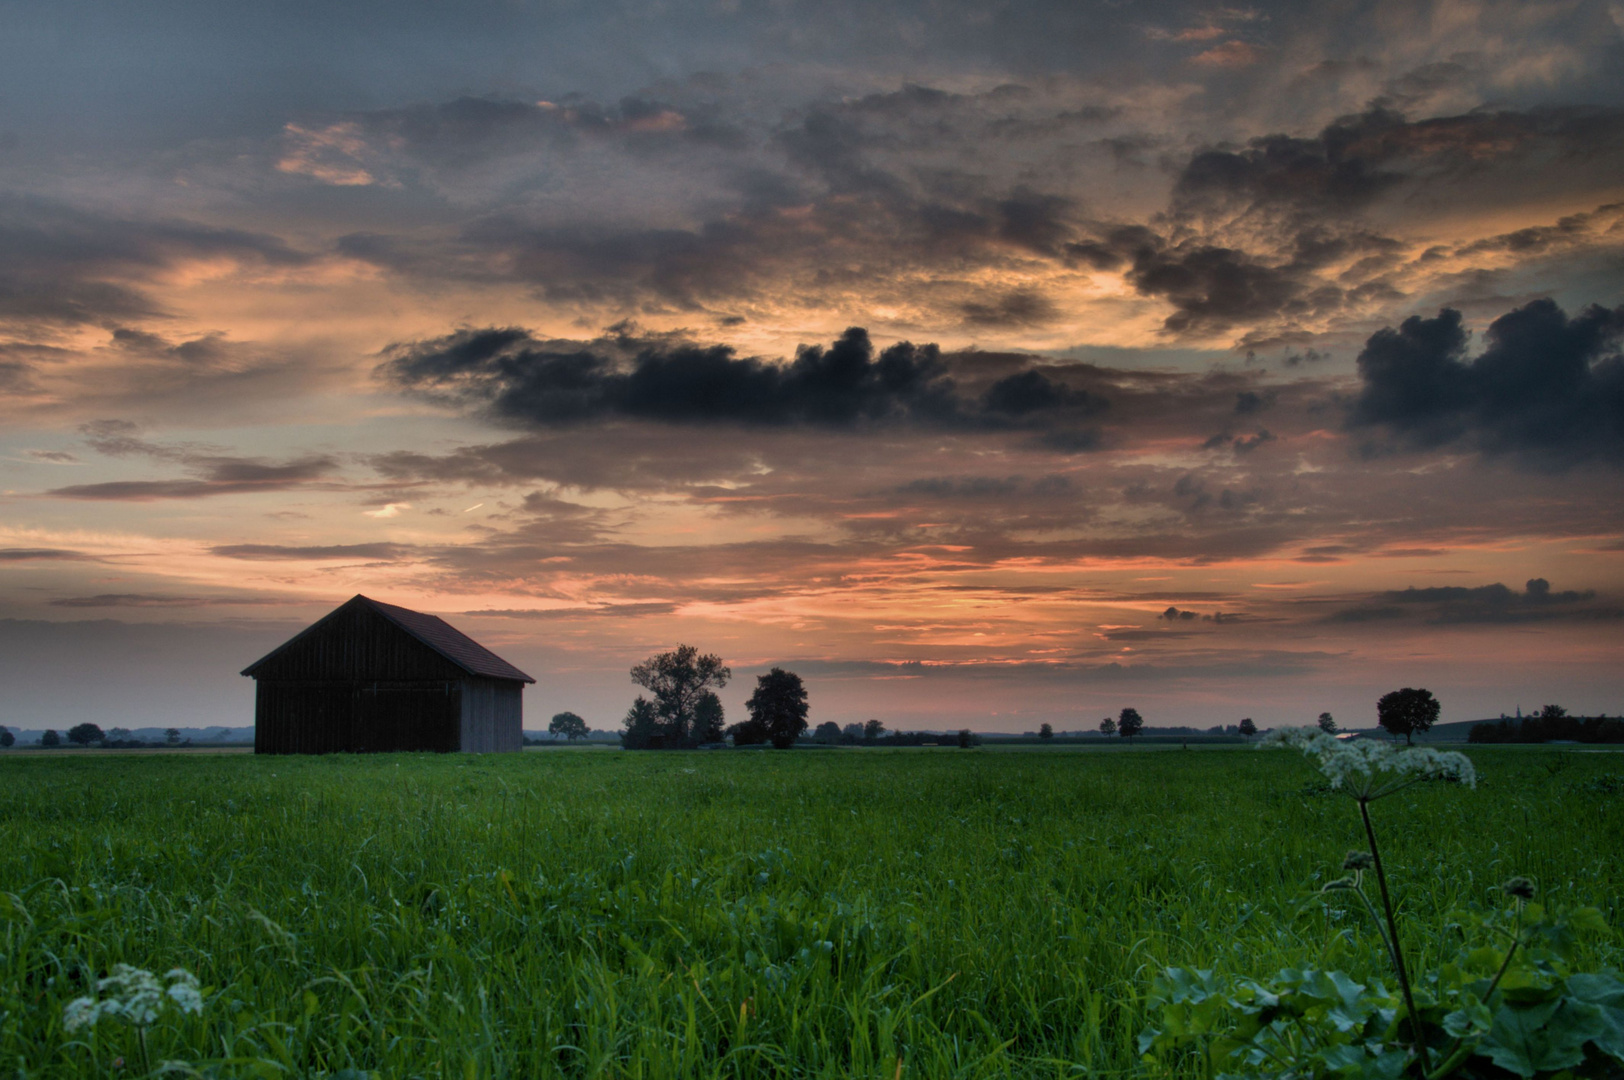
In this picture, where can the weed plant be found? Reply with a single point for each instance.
(811, 913)
(1510, 1003)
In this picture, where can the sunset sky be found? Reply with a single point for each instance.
(985, 363)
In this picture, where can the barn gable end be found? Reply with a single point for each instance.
(376, 677)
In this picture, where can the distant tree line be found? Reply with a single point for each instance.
(87, 735)
(1551, 724)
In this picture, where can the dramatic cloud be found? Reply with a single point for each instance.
(1456, 604)
(1275, 232)
(1545, 386)
(519, 379)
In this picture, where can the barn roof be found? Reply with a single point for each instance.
(432, 631)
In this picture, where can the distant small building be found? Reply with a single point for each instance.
(374, 677)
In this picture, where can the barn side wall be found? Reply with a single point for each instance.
(492, 716)
(355, 716)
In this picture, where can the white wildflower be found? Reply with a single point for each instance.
(81, 1013)
(135, 996)
(1356, 766)
(184, 992)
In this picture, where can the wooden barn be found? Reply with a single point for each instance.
(374, 677)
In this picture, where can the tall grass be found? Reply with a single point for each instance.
(862, 912)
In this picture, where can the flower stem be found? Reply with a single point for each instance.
(1392, 934)
(1458, 1051)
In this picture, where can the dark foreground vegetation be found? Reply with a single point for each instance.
(912, 912)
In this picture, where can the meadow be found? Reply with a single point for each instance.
(853, 912)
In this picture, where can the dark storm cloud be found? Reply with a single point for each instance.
(519, 379)
(1495, 603)
(64, 265)
(1536, 593)
(1250, 401)
(1567, 232)
(1031, 391)
(1020, 307)
(566, 392)
(1241, 444)
(1215, 287)
(1357, 158)
(1546, 387)
(849, 193)
(1272, 231)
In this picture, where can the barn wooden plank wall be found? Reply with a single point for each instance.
(491, 719)
(349, 717)
(356, 682)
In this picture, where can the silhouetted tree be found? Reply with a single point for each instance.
(567, 724)
(779, 706)
(968, 738)
(1326, 724)
(50, 738)
(748, 733)
(642, 729)
(852, 733)
(7, 739)
(708, 720)
(85, 734)
(872, 730)
(1248, 728)
(1405, 712)
(1553, 712)
(172, 735)
(1129, 723)
(827, 733)
(679, 681)
(1046, 731)
(1108, 726)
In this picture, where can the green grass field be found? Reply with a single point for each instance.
(818, 913)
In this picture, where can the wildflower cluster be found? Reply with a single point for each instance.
(1368, 769)
(136, 997)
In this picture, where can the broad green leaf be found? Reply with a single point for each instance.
(1588, 919)
(1472, 1019)
(1543, 1038)
(1597, 989)
(1485, 960)
(1611, 1039)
